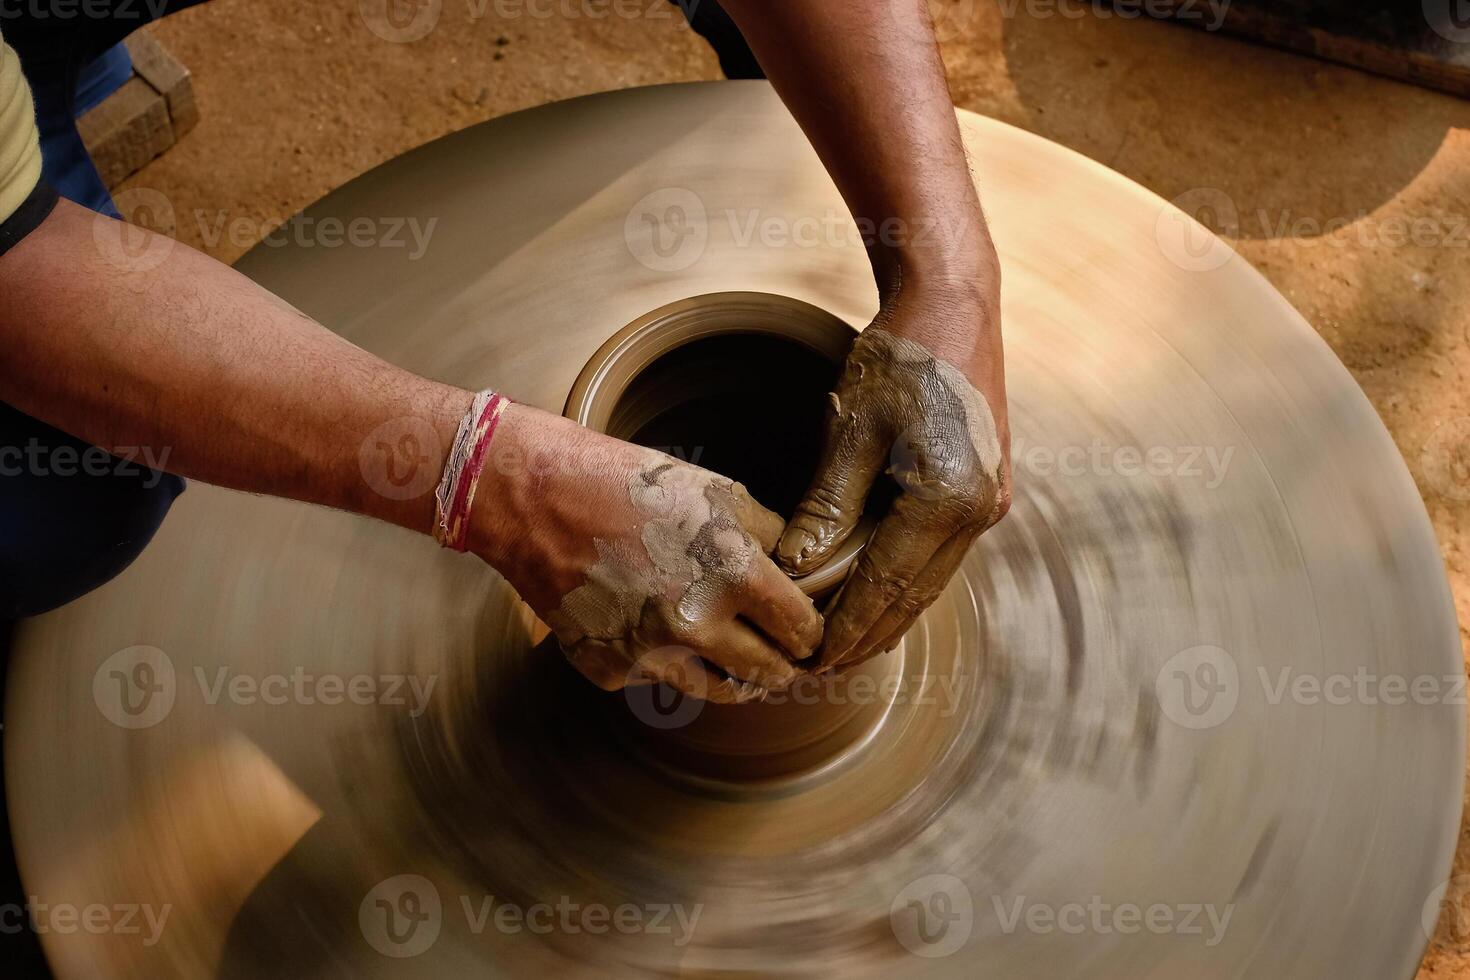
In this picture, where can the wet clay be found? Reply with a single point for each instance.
(648, 605)
(682, 404)
(898, 407)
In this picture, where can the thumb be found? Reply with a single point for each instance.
(852, 458)
(762, 524)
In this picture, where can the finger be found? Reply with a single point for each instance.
(749, 657)
(904, 543)
(683, 669)
(780, 610)
(900, 617)
(763, 525)
(851, 460)
(602, 663)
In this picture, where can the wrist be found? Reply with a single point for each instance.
(401, 447)
(499, 517)
(951, 255)
(944, 289)
(957, 321)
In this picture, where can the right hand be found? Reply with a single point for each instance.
(646, 568)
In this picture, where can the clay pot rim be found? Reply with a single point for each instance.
(634, 348)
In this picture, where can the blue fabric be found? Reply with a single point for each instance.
(71, 516)
(103, 76)
(65, 163)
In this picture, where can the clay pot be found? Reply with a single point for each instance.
(737, 382)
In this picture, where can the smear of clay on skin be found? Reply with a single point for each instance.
(692, 551)
(721, 551)
(895, 398)
(978, 420)
(609, 605)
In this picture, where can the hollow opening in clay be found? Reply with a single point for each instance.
(737, 383)
(746, 406)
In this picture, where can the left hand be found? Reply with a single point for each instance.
(901, 408)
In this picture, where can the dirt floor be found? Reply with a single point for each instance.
(1350, 192)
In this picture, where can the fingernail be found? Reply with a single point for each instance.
(795, 546)
(831, 657)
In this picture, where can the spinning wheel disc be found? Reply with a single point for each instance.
(1094, 756)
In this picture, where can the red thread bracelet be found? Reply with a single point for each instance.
(456, 493)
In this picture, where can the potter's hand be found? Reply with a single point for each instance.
(646, 568)
(899, 408)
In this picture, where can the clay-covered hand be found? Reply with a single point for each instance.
(646, 568)
(899, 409)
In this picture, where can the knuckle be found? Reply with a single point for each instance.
(1002, 503)
(967, 507)
(825, 502)
(973, 503)
(911, 604)
(682, 631)
(875, 569)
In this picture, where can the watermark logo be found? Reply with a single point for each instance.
(411, 234)
(658, 704)
(1208, 15)
(1362, 686)
(1198, 688)
(951, 18)
(300, 687)
(400, 21)
(579, 9)
(933, 916)
(138, 687)
(96, 919)
(399, 458)
(1450, 19)
(1184, 237)
(667, 230)
(113, 10)
(1210, 465)
(135, 688)
(42, 459)
(125, 244)
(1099, 917)
(927, 465)
(1191, 246)
(401, 916)
(945, 693)
(570, 917)
(1447, 903)
(1446, 459)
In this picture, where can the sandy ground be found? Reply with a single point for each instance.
(1349, 192)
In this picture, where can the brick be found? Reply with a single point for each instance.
(127, 130)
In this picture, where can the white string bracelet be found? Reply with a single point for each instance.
(456, 491)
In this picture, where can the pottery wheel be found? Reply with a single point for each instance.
(1094, 756)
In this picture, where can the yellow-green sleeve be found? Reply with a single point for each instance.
(20, 153)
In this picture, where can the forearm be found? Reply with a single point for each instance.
(865, 81)
(193, 360)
